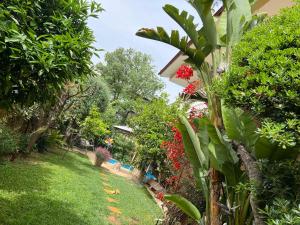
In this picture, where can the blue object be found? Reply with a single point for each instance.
(128, 167)
(149, 176)
(112, 161)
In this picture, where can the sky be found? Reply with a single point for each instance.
(117, 25)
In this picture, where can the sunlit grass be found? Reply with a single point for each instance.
(49, 190)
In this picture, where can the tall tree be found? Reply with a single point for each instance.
(130, 74)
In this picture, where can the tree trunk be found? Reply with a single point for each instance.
(255, 177)
(214, 197)
(35, 136)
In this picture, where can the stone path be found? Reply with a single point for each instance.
(115, 212)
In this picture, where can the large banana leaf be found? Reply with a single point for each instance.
(184, 20)
(195, 154)
(240, 126)
(238, 13)
(185, 205)
(196, 56)
(223, 158)
(202, 133)
(195, 141)
(203, 8)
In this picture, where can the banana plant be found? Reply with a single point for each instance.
(208, 148)
(209, 40)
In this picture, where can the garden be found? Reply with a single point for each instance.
(85, 141)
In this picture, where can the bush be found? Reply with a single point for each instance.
(264, 76)
(281, 192)
(282, 212)
(93, 126)
(282, 181)
(123, 147)
(50, 140)
(9, 140)
(102, 154)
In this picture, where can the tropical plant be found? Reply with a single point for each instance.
(50, 140)
(43, 45)
(197, 46)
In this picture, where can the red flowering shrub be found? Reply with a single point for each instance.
(184, 72)
(190, 89)
(175, 149)
(160, 196)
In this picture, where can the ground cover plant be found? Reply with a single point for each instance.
(46, 189)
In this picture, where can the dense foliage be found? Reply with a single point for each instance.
(130, 74)
(151, 128)
(9, 140)
(93, 127)
(43, 45)
(264, 78)
(123, 147)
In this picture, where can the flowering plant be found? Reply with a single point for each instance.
(184, 72)
(102, 154)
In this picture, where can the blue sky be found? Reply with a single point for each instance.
(117, 25)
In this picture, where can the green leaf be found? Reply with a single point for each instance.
(238, 14)
(186, 22)
(203, 8)
(240, 126)
(185, 205)
(195, 141)
(223, 157)
(196, 56)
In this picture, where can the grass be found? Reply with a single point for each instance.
(49, 190)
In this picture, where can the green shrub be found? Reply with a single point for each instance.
(281, 179)
(264, 76)
(93, 126)
(9, 140)
(123, 147)
(50, 140)
(282, 212)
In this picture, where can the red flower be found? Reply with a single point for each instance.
(160, 196)
(190, 89)
(184, 72)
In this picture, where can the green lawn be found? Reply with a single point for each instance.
(49, 190)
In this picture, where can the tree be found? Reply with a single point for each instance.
(89, 93)
(93, 127)
(151, 128)
(43, 45)
(130, 75)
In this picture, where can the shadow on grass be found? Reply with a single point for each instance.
(23, 186)
(32, 209)
(23, 177)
